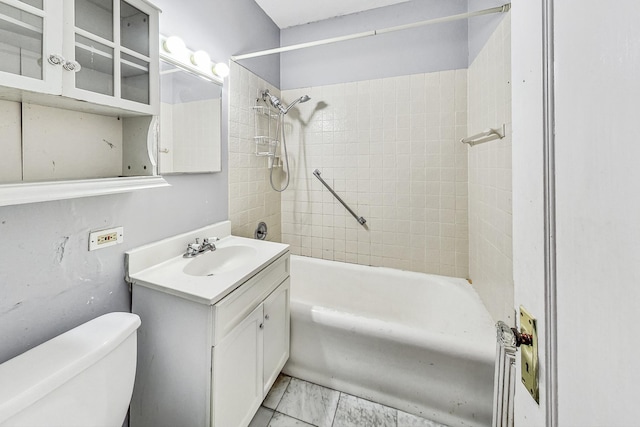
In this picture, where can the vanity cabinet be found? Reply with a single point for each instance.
(104, 52)
(210, 365)
(248, 360)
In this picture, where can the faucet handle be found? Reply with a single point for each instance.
(210, 239)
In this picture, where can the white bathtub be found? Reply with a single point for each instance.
(421, 343)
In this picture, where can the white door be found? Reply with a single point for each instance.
(597, 88)
(276, 333)
(597, 207)
(237, 373)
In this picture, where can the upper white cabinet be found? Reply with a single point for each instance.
(79, 98)
(100, 51)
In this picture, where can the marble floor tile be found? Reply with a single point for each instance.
(262, 417)
(276, 392)
(410, 420)
(355, 412)
(309, 402)
(282, 420)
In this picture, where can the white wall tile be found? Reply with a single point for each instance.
(489, 176)
(387, 147)
(251, 198)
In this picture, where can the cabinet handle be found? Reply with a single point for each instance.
(266, 316)
(56, 59)
(261, 325)
(72, 66)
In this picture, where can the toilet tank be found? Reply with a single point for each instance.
(83, 377)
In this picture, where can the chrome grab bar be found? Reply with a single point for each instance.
(360, 219)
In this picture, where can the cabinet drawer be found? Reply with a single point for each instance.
(237, 305)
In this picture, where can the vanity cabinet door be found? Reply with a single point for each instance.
(238, 372)
(276, 333)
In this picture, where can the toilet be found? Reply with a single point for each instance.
(83, 377)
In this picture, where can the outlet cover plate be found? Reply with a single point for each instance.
(529, 354)
(105, 238)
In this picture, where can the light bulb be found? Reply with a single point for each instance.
(221, 69)
(200, 58)
(175, 45)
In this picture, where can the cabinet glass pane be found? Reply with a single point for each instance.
(20, 42)
(96, 60)
(134, 28)
(135, 79)
(95, 16)
(34, 3)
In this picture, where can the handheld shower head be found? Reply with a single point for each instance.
(303, 98)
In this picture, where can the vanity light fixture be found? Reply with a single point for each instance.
(220, 69)
(200, 58)
(174, 44)
(174, 51)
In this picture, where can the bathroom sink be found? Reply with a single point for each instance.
(222, 260)
(208, 277)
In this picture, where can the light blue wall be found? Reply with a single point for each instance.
(224, 28)
(420, 50)
(49, 281)
(482, 27)
(431, 48)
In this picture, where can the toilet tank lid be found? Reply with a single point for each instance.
(37, 372)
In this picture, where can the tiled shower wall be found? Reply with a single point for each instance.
(490, 215)
(390, 148)
(251, 198)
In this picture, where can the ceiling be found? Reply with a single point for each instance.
(287, 13)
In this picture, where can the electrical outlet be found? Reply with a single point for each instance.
(529, 354)
(105, 238)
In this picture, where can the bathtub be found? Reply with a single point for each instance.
(424, 344)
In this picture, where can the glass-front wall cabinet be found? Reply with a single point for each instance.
(22, 42)
(79, 98)
(100, 51)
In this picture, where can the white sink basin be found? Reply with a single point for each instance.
(222, 260)
(207, 278)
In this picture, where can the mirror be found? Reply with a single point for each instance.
(190, 117)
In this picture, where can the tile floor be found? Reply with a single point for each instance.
(296, 403)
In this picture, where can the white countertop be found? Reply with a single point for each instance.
(168, 276)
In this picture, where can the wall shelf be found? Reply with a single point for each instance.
(21, 193)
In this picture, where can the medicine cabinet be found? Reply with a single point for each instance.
(79, 92)
(190, 118)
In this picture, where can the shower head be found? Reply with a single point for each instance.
(303, 98)
(276, 103)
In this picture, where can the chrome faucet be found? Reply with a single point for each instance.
(197, 248)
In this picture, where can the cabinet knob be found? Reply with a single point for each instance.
(261, 325)
(266, 316)
(56, 59)
(72, 66)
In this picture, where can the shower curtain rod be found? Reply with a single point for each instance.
(500, 9)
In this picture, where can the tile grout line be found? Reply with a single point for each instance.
(281, 397)
(294, 418)
(271, 418)
(336, 411)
